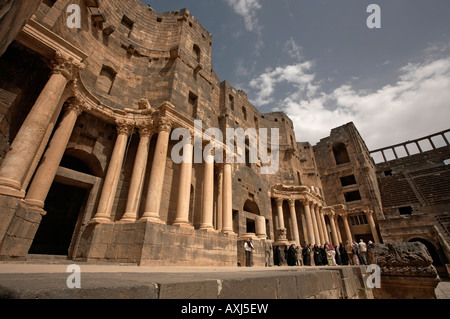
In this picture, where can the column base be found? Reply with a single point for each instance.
(153, 220)
(101, 220)
(127, 221)
(208, 228)
(33, 205)
(10, 191)
(183, 225)
(128, 218)
(228, 232)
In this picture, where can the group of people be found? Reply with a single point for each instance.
(350, 254)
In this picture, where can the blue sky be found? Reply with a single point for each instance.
(319, 62)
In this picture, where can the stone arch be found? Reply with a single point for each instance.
(82, 161)
(105, 80)
(197, 52)
(439, 259)
(340, 153)
(251, 207)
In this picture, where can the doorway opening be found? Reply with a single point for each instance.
(55, 232)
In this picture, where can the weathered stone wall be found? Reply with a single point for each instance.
(157, 245)
(13, 16)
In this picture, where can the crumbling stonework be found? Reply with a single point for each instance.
(406, 271)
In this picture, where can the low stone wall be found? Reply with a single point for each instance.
(347, 282)
(18, 226)
(157, 245)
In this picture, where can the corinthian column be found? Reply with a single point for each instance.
(373, 227)
(109, 190)
(155, 185)
(348, 232)
(46, 171)
(227, 224)
(208, 193)
(20, 157)
(309, 222)
(184, 190)
(314, 222)
(319, 225)
(294, 221)
(332, 216)
(137, 177)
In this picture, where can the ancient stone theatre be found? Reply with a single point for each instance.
(85, 152)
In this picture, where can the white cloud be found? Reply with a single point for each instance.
(417, 104)
(297, 75)
(248, 9)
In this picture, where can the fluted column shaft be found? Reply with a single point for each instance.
(324, 226)
(333, 229)
(280, 215)
(46, 172)
(156, 182)
(319, 225)
(219, 198)
(208, 193)
(372, 226)
(227, 200)
(314, 222)
(137, 177)
(348, 232)
(294, 222)
(15, 165)
(184, 188)
(111, 182)
(309, 223)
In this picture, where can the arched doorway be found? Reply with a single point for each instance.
(65, 203)
(437, 260)
(251, 210)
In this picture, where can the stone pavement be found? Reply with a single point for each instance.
(100, 281)
(124, 281)
(443, 290)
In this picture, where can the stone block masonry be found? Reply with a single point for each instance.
(149, 244)
(185, 283)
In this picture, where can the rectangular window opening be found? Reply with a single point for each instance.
(352, 196)
(348, 180)
(407, 210)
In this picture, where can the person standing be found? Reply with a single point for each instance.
(268, 252)
(248, 247)
(306, 252)
(355, 252)
(291, 256)
(332, 255)
(348, 249)
(277, 256)
(362, 247)
(317, 255)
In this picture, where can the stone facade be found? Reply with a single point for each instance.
(86, 168)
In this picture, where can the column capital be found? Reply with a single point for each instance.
(163, 124)
(145, 131)
(291, 202)
(124, 128)
(75, 105)
(66, 66)
(305, 201)
(279, 201)
(368, 212)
